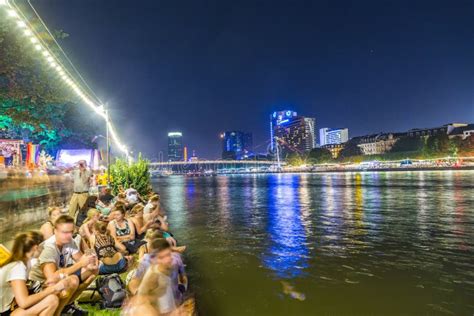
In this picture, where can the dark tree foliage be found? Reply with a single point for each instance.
(350, 150)
(407, 144)
(319, 155)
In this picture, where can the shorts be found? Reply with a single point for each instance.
(119, 267)
(76, 273)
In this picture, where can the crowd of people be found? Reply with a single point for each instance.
(126, 234)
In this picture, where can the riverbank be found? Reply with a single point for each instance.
(395, 169)
(321, 169)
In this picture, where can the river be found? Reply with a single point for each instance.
(373, 243)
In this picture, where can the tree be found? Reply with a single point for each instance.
(34, 104)
(28, 87)
(319, 155)
(135, 175)
(437, 145)
(350, 149)
(294, 159)
(407, 144)
(466, 146)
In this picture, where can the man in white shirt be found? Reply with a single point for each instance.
(81, 177)
(53, 264)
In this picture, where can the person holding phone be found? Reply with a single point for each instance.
(81, 177)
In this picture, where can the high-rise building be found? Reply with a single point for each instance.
(295, 133)
(175, 146)
(333, 136)
(236, 145)
(185, 153)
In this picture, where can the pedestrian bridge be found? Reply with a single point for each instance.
(218, 166)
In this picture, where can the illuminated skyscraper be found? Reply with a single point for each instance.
(236, 145)
(334, 136)
(175, 146)
(295, 133)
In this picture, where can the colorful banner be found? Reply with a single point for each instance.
(32, 154)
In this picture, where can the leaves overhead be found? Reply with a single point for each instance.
(35, 104)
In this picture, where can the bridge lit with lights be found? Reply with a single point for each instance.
(213, 166)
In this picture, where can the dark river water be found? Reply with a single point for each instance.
(327, 244)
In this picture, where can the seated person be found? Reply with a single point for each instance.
(133, 197)
(163, 227)
(111, 260)
(47, 229)
(165, 280)
(13, 277)
(136, 216)
(154, 215)
(53, 265)
(91, 202)
(153, 202)
(151, 235)
(86, 230)
(105, 201)
(123, 231)
(120, 199)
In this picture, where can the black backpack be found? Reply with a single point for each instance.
(112, 290)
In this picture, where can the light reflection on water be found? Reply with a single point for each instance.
(287, 252)
(366, 243)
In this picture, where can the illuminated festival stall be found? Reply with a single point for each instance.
(10, 152)
(68, 157)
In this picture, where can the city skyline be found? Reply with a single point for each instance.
(204, 68)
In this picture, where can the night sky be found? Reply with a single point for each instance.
(203, 67)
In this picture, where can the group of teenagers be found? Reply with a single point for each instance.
(48, 270)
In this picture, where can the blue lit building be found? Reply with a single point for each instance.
(236, 145)
(295, 133)
(175, 146)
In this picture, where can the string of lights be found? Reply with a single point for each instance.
(43, 51)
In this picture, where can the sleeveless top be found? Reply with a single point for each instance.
(122, 231)
(137, 235)
(104, 246)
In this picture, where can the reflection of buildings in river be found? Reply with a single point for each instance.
(331, 210)
(460, 218)
(247, 196)
(371, 198)
(358, 211)
(176, 193)
(348, 199)
(305, 203)
(223, 201)
(287, 253)
(252, 203)
(422, 213)
(441, 182)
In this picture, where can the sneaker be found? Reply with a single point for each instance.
(74, 310)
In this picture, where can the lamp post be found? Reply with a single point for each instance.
(108, 147)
